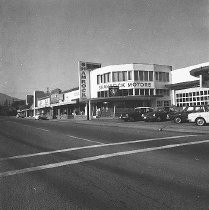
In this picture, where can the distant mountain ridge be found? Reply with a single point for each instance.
(9, 99)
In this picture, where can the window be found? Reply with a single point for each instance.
(120, 76)
(157, 76)
(166, 103)
(142, 92)
(136, 77)
(102, 78)
(159, 103)
(125, 92)
(130, 92)
(164, 76)
(160, 76)
(167, 76)
(98, 94)
(146, 92)
(146, 75)
(105, 94)
(115, 76)
(150, 75)
(151, 92)
(190, 109)
(124, 73)
(141, 75)
(129, 75)
(199, 109)
(98, 79)
(136, 92)
(107, 77)
(102, 93)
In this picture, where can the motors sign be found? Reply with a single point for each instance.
(84, 77)
(127, 85)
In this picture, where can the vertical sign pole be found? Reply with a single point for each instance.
(89, 118)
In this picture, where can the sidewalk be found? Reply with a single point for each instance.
(160, 126)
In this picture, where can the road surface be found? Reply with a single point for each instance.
(71, 165)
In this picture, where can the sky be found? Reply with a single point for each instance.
(41, 41)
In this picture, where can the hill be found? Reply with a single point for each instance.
(9, 99)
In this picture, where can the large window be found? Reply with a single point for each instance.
(98, 79)
(124, 73)
(143, 75)
(115, 76)
(195, 98)
(162, 76)
(129, 75)
(136, 76)
(150, 75)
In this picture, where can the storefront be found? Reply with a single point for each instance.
(190, 85)
(116, 87)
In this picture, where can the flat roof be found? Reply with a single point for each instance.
(183, 85)
(122, 98)
(199, 71)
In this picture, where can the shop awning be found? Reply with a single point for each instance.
(183, 85)
(123, 98)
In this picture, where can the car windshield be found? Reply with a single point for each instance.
(143, 109)
(157, 109)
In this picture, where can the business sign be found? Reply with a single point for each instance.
(57, 98)
(44, 102)
(84, 77)
(127, 85)
(113, 91)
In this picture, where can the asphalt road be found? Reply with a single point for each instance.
(72, 165)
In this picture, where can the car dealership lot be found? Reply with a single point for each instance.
(102, 164)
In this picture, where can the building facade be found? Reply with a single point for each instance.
(111, 89)
(190, 85)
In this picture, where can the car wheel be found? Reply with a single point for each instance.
(200, 121)
(177, 120)
(159, 119)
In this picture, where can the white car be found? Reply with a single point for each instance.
(200, 118)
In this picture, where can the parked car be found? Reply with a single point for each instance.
(158, 114)
(200, 118)
(182, 116)
(40, 117)
(136, 114)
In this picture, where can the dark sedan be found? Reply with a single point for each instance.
(159, 114)
(136, 114)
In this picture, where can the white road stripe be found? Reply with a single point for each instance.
(84, 139)
(92, 146)
(88, 159)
